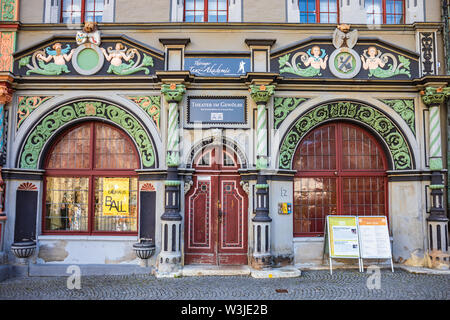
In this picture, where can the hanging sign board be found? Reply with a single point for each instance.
(374, 238)
(343, 236)
(116, 196)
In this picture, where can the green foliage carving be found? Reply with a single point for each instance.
(386, 129)
(282, 107)
(76, 110)
(405, 108)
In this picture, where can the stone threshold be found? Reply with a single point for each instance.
(211, 270)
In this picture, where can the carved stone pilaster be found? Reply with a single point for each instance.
(434, 98)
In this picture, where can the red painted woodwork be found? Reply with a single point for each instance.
(319, 11)
(341, 169)
(216, 212)
(205, 10)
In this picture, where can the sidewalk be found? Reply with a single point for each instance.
(312, 284)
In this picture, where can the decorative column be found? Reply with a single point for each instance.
(261, 256)
(435, 98)
(5, 98)
(169, 259)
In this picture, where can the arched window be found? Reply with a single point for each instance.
(385, 11)
(206, 10)
(319, 11)
(341, 170)
(90, 182)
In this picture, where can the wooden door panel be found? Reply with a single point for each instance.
(231, 234)
(199, 229)
(233, 225)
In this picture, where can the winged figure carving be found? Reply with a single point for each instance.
(343, 38)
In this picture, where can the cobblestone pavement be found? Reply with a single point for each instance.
(343, 284)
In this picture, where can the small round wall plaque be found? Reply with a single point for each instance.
(344, 63)
(88, 59)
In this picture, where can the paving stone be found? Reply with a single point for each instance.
(343, 284)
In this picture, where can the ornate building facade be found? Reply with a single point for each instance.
(224, 132)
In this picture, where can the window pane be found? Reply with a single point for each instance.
(212, 4)
(359, 152)
(303, 18)
(333, 5)
(199, 16)
(189, 16)
(363, 196)
(99, 5)
(189, 4)
(311, 18)
(222, 4)
(332, 18)
(222, 17)
(72, 151)
(311, 5)
(314, 199)
(302, 5)
(399, 7)
(66, 204)
(323, 6)
(89, 5)
(317, 150)
(112, 149)
(115, 204)
(199, 5)
(212, 17)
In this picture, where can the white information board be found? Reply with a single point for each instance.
(374, 239)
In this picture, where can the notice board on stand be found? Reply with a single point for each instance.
(341, 238)
(374, 238)
(351, 237)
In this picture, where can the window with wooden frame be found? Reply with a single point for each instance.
(80, 11)
(90, 182)
(319, 11)
(341, 170)
(385, 11)
(206, 10)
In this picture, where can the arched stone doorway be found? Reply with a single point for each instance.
(216, 222)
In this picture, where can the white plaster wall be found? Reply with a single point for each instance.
(407, 218)
(282, 227)
(352, 12)
(86, 250)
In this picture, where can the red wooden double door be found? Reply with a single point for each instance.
(216, 211)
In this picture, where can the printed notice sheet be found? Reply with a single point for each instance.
(343, 236)
(374, 237)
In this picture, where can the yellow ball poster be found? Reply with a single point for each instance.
(116, 196)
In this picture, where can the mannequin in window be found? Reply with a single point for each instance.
(64, 213)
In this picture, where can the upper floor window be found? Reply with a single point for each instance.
(318, 11)
(206, 10)
(385, 11)
(80, 11)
